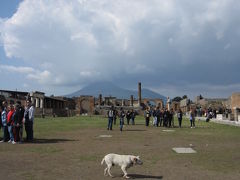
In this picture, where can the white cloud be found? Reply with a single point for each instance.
(14, 69)
(76, 42)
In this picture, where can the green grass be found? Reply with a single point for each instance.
(217, 145)
(46, 126)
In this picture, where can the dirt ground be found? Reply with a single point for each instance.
(77, 155)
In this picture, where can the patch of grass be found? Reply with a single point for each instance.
(71, 144)
(28, 176)
(44, 150)
(93, 158)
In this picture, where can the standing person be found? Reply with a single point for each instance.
(147, 115)
(121, 115)
(171, 118)
(158, 113)
(154, 114)
(110, 118)
(21, 117)
(192, 119)
(1, 109)
(128, 116)
(10, 117)
(28, 120)
(161, 117)
(115, 113)
(4, 122)
(179, 116)
(165, 117)
(133, 114)
(18, 119)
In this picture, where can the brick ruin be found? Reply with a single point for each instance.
(99, 106)
(90, 105)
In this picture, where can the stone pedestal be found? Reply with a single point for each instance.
(219, 117)
(123, 102)
(236, 113)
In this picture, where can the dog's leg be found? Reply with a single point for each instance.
(109, 168)
(105, 171)
(125, 172)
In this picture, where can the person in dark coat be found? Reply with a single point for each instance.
(179, 116)
(128, 116)
(110, 115)
(121, 116)
(165, 118)
(147, 115)
(29, 120)
(133, 115)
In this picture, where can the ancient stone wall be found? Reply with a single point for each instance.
(235, 100)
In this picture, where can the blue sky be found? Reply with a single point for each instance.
(173, 47)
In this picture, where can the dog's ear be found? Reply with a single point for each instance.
(134, 160)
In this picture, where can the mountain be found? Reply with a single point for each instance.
(110, 89)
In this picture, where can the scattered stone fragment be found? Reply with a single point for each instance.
(105, 136)
(183, 150)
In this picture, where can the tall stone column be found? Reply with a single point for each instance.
(100, 99)
(41, 103)
(131, 100)
(37, 102)
(139, 94)
(32, 99)
(168, 103)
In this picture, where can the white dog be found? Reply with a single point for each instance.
(124, 161)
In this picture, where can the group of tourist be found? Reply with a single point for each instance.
(12, 120)
(165, 118)
(162, 117)
(112, 116)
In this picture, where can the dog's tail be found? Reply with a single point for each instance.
(103, 161)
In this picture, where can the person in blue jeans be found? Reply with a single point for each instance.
(4, 122)
(133, 114)
(110, 115)
(192, 119)
(121, 115)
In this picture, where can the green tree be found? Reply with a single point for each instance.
(177, 99)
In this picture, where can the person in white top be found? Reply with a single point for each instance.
(28, 120)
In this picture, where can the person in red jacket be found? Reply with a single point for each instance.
(10, 123)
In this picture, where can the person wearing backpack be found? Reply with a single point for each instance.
(121, 116)
(110, 115)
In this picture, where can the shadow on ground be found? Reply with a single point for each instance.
(50, 141)
(141, 176)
